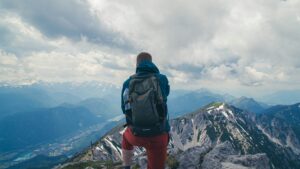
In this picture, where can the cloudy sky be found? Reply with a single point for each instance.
(240, 47)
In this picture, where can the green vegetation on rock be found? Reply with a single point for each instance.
(172, 162)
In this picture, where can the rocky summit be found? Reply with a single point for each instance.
(217, 136)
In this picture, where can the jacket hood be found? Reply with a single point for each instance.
(146, 67)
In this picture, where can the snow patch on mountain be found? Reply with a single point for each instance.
(116, 148)
(289, 143)
(273, 139)
(225, 111)
(176, 141)
(225, 114)
(222, 110)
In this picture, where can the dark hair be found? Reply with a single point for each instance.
(143, 56)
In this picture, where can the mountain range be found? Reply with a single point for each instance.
(38, 119)
(27, 129)
(218, 136)
(44, 117)
(184, 102)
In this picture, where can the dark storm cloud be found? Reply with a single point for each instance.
(19, 42)
(188, 68)
(68, 18)
(204, 71)
(111, 65)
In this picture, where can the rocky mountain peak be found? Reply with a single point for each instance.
(216, 136)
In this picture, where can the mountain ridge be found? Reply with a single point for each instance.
(205, 132)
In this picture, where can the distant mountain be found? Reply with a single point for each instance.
(22, 99)
(249, 104)
(228, 98)
(95, 96)
(186, 101)
(189, 101)
(216, 136)
(286, 97)
(82, 90)
(282, 125)
(101, 107)
(27, 129)
(40, 116)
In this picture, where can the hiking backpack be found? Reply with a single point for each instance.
(148, 110)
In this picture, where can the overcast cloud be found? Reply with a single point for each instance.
(241, 47)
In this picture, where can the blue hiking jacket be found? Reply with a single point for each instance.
(146, 67)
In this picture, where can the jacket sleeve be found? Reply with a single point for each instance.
(164, 85)
(167, 87)
(122, 101)
(125, 85)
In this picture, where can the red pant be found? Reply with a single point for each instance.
(156, 147)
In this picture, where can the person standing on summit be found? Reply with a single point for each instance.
(144, 103)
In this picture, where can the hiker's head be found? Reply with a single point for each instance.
(142, 57)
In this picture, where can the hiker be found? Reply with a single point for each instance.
(144, 103)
